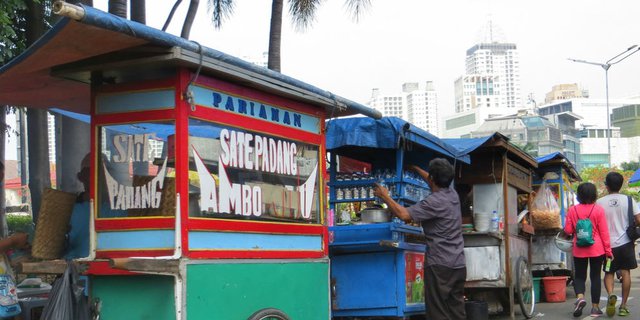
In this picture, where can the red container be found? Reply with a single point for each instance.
(555, 289)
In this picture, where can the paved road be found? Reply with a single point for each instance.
(564, 310)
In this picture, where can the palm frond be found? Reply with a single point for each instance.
(220, 10)
(357, 8)
(303, 12)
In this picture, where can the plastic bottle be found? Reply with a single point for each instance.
(495, 220)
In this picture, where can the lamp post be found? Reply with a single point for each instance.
(606, 67)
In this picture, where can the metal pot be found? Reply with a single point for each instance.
(375, 215)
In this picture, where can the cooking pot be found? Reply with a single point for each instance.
(375, 215)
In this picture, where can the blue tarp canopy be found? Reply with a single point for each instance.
(559, 157)
(466, 146)
(385, 133)
(634, 181)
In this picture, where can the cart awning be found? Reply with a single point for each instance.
(56, 71)
(562, 159)
(385, 133)
(465, 146)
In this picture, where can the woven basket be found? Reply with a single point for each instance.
(53, 223)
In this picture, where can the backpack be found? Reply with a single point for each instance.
(584, 230)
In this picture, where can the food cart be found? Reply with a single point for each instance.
(377, 265)
(498, 261)
(206, 172)
(561, 175)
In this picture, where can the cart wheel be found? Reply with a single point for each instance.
(269, 314)
(524, 288)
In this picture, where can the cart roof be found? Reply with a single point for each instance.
(384, 133)
(56, 70)
(559, 159)
(466, 146)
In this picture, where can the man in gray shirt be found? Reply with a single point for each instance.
(439, 214)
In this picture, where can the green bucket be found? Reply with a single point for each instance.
(537, 288)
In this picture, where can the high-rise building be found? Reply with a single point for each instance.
(502, 62)
(388, 105)
(422, 106)
(565, 91)
(417, 104)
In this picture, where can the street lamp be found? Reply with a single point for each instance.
(606, 67)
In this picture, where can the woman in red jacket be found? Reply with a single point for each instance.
(592, 256)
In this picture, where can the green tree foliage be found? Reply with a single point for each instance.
(12, 29)
(630, 166)
(596, 175)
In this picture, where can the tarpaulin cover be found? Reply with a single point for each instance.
(464, 146)
(551, 156)
(385, 133)
(634, 181)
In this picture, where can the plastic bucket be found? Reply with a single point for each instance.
(537, 289)
(476, 310)
(482, 221)
(555, 289)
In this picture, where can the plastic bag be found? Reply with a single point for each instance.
(545, 212)
(66, 299)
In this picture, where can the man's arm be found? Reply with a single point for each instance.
(423, 174)
(395, 208)
(15, 241)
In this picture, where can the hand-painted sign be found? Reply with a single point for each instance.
(247, 151)
(134, 147)
(123, 197)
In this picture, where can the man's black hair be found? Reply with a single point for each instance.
(614, 181)
(587, 193)
(441, 172)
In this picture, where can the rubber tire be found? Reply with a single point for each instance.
(269, 314)
(522, 266)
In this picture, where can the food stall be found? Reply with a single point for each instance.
(206, 185)
(559, 176)
(498, 259)
(377, 263)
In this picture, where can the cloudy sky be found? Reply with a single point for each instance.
(420, 40)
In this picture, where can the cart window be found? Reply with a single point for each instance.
(136, 175)
(243, 174)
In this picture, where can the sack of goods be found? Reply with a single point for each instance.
(545, 212)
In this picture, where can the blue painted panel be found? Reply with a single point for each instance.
(217, 100)
(139, 239)
(365, 281)
(252, 241)
(136, 101)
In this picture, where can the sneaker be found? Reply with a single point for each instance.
(611, 305)
(596, 312)
(577, 311)
(623, 312)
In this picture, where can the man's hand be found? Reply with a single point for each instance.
(380, 191)
(19, 240)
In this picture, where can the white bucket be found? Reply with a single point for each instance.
(482, 221)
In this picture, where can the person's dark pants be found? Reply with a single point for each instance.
(444, 293)
(595, 270)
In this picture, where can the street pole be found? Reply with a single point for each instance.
(606, 67)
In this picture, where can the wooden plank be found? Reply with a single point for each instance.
(146, 265)
(48, 267)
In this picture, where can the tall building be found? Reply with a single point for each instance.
(422, 106)
(489, 88)
(565, 91)
(502, 62)
(388, 105)
(417, 104)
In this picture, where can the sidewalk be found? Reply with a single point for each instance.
(564, 310)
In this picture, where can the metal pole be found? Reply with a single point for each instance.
(606, 80)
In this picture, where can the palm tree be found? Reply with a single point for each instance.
(118, 8)
(302, 12)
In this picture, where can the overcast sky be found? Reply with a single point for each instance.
(419, 40)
